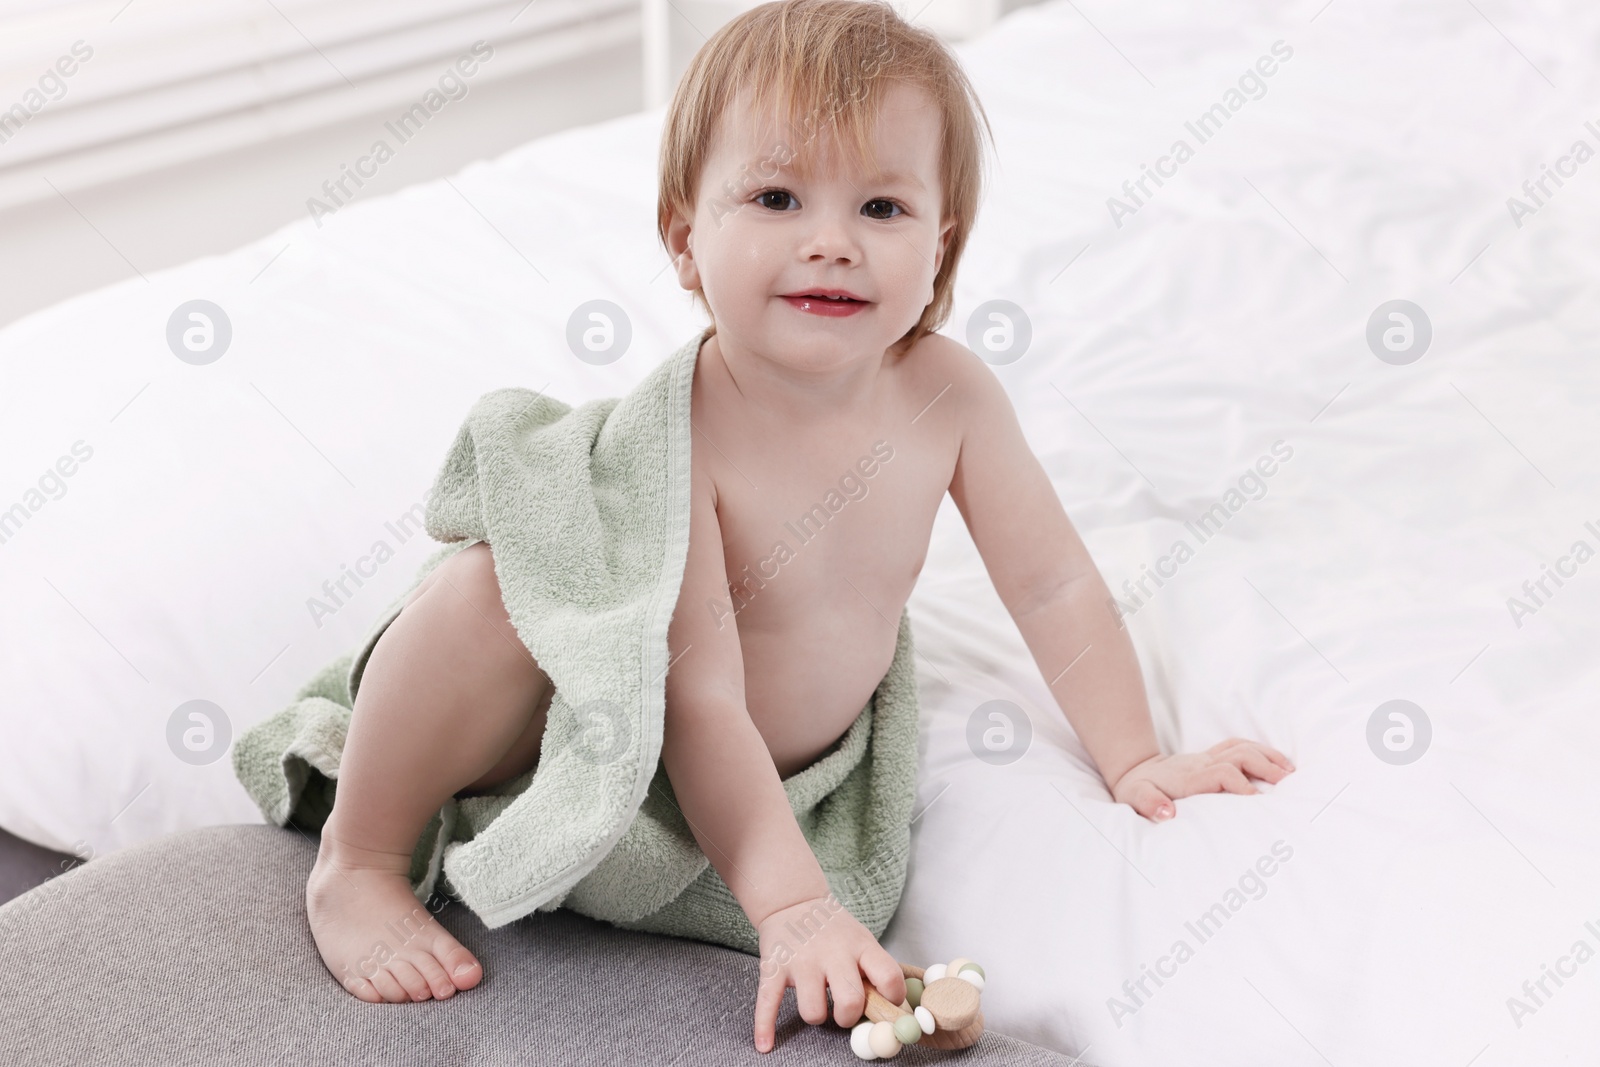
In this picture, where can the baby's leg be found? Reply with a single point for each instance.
(450, 700)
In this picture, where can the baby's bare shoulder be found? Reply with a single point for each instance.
(946, 382)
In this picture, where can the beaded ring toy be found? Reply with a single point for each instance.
(941, 1010)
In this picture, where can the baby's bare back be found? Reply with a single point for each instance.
(825, 528)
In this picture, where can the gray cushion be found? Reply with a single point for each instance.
(194, 948)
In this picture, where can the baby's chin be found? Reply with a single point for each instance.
(784, 332)
(825, 344)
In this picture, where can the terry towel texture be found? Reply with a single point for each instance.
(587, 510)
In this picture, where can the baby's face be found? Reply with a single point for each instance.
(762, 237)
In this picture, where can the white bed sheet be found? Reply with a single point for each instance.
(1168, 354)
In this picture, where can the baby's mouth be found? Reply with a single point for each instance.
(826, 305)
(832, 296)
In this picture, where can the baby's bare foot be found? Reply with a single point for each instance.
(375, 936)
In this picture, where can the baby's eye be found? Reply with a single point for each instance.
(784, 198)
(871, 206)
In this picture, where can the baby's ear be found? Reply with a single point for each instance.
(944, 243)
(688, 271)
(680, 246)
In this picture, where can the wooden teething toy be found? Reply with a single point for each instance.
(941, 1010)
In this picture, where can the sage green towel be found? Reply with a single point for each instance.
(587, 510)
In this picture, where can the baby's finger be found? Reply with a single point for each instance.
(1227, 749)
(1226, 743)
(849, 999)
(769, 996)
(885, 973)
(1257, 763)
(1148, 800)
(1277, 757)
(1229, 779)
(811, 996)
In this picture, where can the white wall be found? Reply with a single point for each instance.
(189, 134)
(49, 251)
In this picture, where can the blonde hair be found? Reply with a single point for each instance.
(831, 62)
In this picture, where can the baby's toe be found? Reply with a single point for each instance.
(433, 971)
(362, 989)
(462, 966)
(410, 979)
(386, 983)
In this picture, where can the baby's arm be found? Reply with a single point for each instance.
(735, 804)
(1062, 607)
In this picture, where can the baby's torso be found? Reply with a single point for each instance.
(824, 533)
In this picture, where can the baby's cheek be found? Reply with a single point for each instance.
(909, 278)
(737, 276)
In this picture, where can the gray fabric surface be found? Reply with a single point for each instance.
(194, 949)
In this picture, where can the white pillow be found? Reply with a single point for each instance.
(173, 531)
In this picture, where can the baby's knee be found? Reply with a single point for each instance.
(466, 569)
(467, 592)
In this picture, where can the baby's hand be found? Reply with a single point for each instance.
(1151, 787)
(816, 945)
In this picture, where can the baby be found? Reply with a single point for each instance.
(820, 174)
